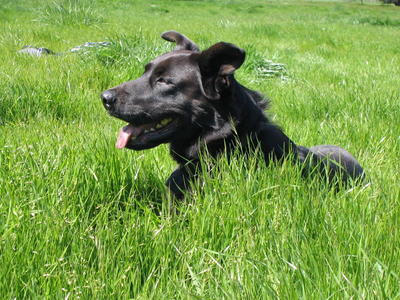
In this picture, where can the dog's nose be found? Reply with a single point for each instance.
(108, 98)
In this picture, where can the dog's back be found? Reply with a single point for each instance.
(244, 106)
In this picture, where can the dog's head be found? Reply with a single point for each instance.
(171, 100)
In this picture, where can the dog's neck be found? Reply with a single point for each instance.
(240, 119)
(242, 105)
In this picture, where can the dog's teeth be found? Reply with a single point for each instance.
(152, 129)
(159, 125)
(146, 131)
(165, 121)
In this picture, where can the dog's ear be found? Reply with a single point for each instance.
(217, 65)
(182, 42)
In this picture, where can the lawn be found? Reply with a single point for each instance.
(81, 219)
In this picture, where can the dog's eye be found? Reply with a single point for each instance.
(161, 80)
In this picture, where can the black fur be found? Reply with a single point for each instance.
(196, 94)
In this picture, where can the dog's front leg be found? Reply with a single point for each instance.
(179, 180)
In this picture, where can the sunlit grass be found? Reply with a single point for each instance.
(79, 218)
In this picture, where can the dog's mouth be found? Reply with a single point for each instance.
(146, 135)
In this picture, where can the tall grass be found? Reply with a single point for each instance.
(68, 12)
(80, 219)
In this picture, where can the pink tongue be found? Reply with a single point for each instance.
(125, 134)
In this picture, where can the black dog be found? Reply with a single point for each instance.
(190, 99)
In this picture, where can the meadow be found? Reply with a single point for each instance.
(80, 219)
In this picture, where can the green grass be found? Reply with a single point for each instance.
(81, 219)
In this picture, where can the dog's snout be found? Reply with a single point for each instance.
(108, 97)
